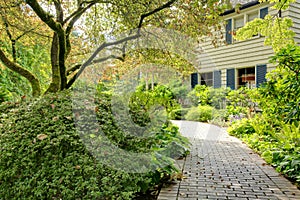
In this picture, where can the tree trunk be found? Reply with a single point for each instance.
(55, 83)
(35, 84)
(62, 59)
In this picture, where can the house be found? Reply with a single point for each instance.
(241, 63)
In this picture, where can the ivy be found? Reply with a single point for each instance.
(44, 155)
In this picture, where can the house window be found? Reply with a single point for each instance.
(207, 79)
(238, 22)
(233, 24)
(246, 77)
(252, 16)
(263, 12)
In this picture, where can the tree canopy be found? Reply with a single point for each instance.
(71, 30)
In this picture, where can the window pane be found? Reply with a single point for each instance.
(246, 77)
(209, 83)
(207, 79)
(252, 16)
(238, 22)
(209, 76)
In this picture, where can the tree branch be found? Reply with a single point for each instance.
(76, 67)
(89, 61)
(143, 16)
(59, 11)
(13, 41)
(44, 16)
(107, 44)
(26, 32)
(75, 16)
(107, 58)
(73, 69)
(57, 28)
(35, 84)
(61, 59)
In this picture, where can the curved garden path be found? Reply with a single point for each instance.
(222, 167)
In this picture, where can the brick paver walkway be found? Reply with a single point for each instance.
(222, 167)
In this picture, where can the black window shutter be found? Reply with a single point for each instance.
(217, 79)
(263, 12)
(228, 31)
(261, 71)
(194, 79)
(230, 78)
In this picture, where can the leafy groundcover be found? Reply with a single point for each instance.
(46, 152)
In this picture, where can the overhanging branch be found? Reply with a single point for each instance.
(44, 16)
(76, 67)
(36, 90)
(107, 44)
(74, 17)
(93, 56)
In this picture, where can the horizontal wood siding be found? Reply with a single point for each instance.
(239, 54)
(293, 13)
(246, 53)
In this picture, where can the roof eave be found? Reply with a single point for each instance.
(244, 6)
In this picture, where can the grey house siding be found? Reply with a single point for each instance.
(293, 13)
(231, 54)
(238, 54)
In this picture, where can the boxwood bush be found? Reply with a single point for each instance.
(200, 113)
(44, 154)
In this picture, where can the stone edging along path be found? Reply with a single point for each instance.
(222, 167)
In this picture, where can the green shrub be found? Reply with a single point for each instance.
(280, 96)
(219, 118)
(180, 89)
(239, 101)
(241, 127)
(277, 142)
(45, 155)
(3, 95)
(290, 165)
(178, 113)
(200, 113)
(199, 95)
(218, 97)
(275, 133)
